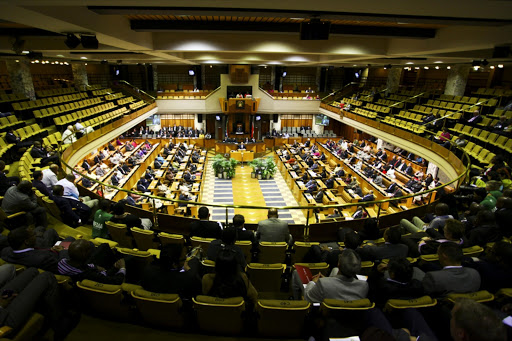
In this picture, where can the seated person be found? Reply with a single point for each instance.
(79, 264)
(99, 230)
(228, 281)
(130, 220)
(39, 185)
(311, 186)
(368, 197)
(21, 198)
(169, 275)
(72, 211)
(132, 199)
(441, 210)
(142, 186)
(39, 152)
(6, 181)
(390, 249)
(398, 284)
(342, 284)
(227, 242)
(203, 227)
(319, 196)
(453, 277)
(22, 248)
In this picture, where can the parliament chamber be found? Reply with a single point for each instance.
(306, 171)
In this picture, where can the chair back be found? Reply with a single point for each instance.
(481, 296)
(120, 234)
(104, 299)
(144, 238)
(300, 250)
(266, 277)
(219, 315)
(161, 310)
(245, 246)
(272, 252)
(282, 318)
(203, 243)
(420, 302)
(316, 267)
(168, 238)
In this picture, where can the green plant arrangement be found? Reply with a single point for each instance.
(269, 168)
(218, 163)
(257, 166)
(231, 168)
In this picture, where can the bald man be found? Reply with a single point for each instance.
(273, 229)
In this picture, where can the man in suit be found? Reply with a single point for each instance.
(85, 165)
(203, 227)
(142, 185)
(390, 249)
(38, 152)
(342, 286)
(26, 248)
(307, 143)
(378, 180)
(475, 119)
(408, 170)
(311, 186)
(73, 212)
(329, 183)
(391, 187)
(314, 166)
(319, 196)
(453, 277)
(39, 185)
(471, 320)
(242, 233)
(273, 229)
(368, 197)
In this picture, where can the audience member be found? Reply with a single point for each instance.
(21, 198)
(203, 227)
(273, 229)
(99, 230)
(227, 242)
(6, 181)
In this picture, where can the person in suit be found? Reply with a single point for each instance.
(142, 185)
(408, 170)
(227, 242)
(379, 153)
(359, 213)
(319, 196)
(344, 285)
(384, 156)
(26, 248)
(390, 249)
(311, 186)
(241, 146)
(391, 187)
(397, 193)
(453, 277)
(204, 227)
(39, 185)
(242, 232)
(6, 181)
(307, 143)
(314, 166)
(273, 229)
(329, 183)
(357, 190)
(85, 165)
(132, 200)
(73, 212)
(378, 180)
(476, 118)
(39, 152)
(368, 197)
(167, 275)
(399, 285)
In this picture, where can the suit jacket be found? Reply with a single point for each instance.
(458, 280)
(42, 188)
(273, 230)
(367, 197)
(391, 188)
(319, 197)
(378, 181)
(337, 287)
(382, 289)
(187, 284)
(85, 165)
(205, 229)
(408, 170)
(329, 183)
(385, 251)
(42, 259)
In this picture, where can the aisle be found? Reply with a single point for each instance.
(244, 190)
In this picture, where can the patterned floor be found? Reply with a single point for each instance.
(244, 190)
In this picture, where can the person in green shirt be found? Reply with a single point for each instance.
(99, 230)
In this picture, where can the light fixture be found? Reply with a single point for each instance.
(25, 52)
(492, 67)
(191, 72)
(500, 66)
(284, 73)
(425, 67)
(17, 61)
(71, 41)
(416, 68)
(448, 67)
(83, 57)
(409, 63)
(476, 67)
(437, 67)
(211, 66)
(438, 62)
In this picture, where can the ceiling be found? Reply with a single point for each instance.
(261, 32)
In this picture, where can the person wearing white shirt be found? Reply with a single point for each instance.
(391, 173)
(116, 158)
(79, 128)
(50, 176)
(68, 136)
(358, 165)
(71, 192)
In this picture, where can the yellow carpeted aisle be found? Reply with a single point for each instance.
(247, 191)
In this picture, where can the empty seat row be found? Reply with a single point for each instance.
(64, 108)
(50, 101)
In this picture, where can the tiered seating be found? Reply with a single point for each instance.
(416, 128)
(493, 92)
(378, 108)
(82, 114)
(114, 96)
(353, 102)
(364, 112)
(55, 92)
(5, 98)
(390, 103)
(402, 98)
(125, 100)
(10, 122)
(102, 92)
(137, 105)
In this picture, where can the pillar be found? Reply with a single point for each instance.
(393, 81)
(155, 77)
(80, 75)
(318, 78)
(21, 78)
(456, 80)
(364, 75)
(203, 76)
(273, 77)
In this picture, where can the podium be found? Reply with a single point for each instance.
(242, 155)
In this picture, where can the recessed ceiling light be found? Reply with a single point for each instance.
(417, 68)
(60, 55)
(437, 67)
(500, 66)
(438, 62)
(425, 67)
(297, 18)
(448, 67)
(25, 52)
(492, 67)
(83, 57)
(409, 63)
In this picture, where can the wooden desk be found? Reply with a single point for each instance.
(237, 155)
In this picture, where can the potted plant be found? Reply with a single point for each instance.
(269, 168)
(256, 165)
(217, 164)
(231, 168)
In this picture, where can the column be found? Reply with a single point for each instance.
(80, 75)
(203, 76)
(155, 77)
(273, 77)
(456, 80)
(393, 81)
(364, 75)
(21, 78)
(318, 78)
